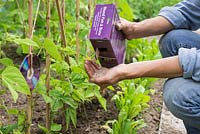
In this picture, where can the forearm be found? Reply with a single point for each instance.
(154, 26)
(162, 68)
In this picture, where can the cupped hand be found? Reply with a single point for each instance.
(100, 75)
(127, 27)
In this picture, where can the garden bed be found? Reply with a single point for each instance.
(91, 116)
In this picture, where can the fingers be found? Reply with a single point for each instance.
(96, 74)
(95, 65)
(89, 70)
(121, 24)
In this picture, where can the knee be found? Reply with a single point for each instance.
(169, 95)
(182, 100)
(171, 42)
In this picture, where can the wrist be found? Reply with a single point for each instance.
(132, 71)
(124, 72)
(137, 29)
(120, 72)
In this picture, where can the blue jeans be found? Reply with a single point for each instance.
(182, 96)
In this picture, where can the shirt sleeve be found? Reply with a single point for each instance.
(189, 59)
(185, 14)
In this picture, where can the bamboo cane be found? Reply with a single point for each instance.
(89, 10)
(29, 97)
(77, 29)
(63, 11)
(62, 29)
(48, 62)
(61, 14)
(89, 19)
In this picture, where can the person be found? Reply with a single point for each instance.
(180, 49)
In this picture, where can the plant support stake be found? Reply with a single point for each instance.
(29, 98)
(77, 29)
(30, 35)
(48, 62)
(62, 29)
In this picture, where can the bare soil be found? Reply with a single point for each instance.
(153, 113)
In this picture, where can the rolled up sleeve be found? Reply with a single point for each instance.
(189, 59)
(185, 14)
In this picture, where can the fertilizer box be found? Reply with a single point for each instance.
(107, 41)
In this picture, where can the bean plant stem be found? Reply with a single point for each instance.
(48, 62)
(77, 29)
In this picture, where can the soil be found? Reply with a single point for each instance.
(153, 113)
(94, 117)
(91, 116)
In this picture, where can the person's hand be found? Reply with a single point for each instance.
(127, 27)
(149, 27)
(102, 76)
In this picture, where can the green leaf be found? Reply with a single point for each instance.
(56, 105)
(122, 116)
(102, 101)
(51, 49)
(26, 41)
(8, 129)
(56, 127)
(17, 132)
(25, 49)
(77, 78)
(125, 10)
(72, 61)
(15, 81)
(47, 99)
(6, 62)
(71, 114)
(13, 111)
(68, 100)
(38, 41)
(140, 89)
(78, 95)
(68, 50)
(126, 126)
(21, 119)
(44, 129)
(89, 93)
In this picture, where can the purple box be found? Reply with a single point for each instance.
(109, 42)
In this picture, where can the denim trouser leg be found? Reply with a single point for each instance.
(182, 96)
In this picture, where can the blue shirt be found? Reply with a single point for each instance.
(186, 15)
